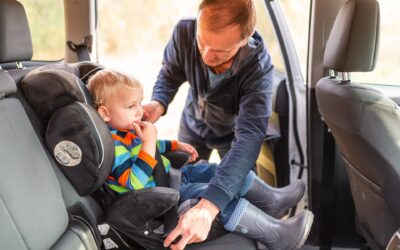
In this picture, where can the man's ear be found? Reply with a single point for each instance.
(244, 42)
(103, 112)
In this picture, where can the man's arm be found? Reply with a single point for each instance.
(251, 127)
(172, 73)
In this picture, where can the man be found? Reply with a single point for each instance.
(227, 108)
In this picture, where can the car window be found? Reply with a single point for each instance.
(48, 34)
(297, 14)
(266, 30)
(132, 37)
(388, 61)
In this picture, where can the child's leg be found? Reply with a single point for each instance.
(273, 201)
(243, 218)
(199, 173)
(191, 191)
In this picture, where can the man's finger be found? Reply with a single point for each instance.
(172, 236)
(182, 243)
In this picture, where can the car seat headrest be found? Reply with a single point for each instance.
(81, 143)
(76, 135)
(7, 85)
(87, 69)
(352, 45)
(71, 68)
(47, 90)
(15, 42)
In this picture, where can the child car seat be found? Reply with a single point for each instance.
(82, 146)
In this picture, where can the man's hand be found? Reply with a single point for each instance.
(152, 111)
(193, 226)
(188, 149)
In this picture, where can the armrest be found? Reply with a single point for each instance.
(178, 159)
(394, 242)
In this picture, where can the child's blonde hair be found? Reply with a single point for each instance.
(103, 84)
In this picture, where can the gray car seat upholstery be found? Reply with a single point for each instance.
(17, 44)
(364, 123)
(33, 214)
(31, 204)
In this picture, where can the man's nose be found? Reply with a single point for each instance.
(208, 54)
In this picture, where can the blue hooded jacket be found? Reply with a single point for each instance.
(240, 104)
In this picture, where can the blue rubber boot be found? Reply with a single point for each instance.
(249, 221)
(274, 201)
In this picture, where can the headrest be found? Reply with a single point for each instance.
(352, 45)
(7, 84)
(15, 39)
(52, 86)
(76, 135)
(81, 144)
(87, 69)
(49, 90)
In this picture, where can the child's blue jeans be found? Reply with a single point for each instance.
(195, 179)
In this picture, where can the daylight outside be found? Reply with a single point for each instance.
(132, 35)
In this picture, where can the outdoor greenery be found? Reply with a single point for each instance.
(46, 22)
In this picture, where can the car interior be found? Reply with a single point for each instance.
(55, 149)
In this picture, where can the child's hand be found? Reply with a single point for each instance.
(188, 149)
(147, 131)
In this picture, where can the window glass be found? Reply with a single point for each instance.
(265, 28)
(297, 14)
(132, 36)
(388, 61)
(46, 23)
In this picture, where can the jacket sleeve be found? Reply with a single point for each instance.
(251, 126)
(132, 170)
(165, 146)
(172, 74)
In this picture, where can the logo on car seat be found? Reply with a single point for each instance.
(68, 153)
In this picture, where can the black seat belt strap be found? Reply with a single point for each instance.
(159, 173)
(161, 179)
(83, 49)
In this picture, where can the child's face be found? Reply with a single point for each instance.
(124, 108)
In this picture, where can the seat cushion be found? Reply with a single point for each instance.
(31, 205)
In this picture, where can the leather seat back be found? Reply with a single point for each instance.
(364, 123)
(31, 204)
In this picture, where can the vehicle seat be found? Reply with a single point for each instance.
(32, 210)
(364, 123)
(14, 50)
